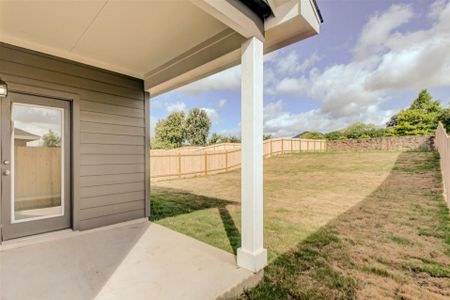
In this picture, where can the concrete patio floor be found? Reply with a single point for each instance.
(134, 260)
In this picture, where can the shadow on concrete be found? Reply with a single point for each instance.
(132, 260)
(76, 266)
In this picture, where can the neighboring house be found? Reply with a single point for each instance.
(21, 137)
(98, 63)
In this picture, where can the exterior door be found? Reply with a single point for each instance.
(35, 165)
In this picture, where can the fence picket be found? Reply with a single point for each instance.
(442, 143)
(194, 161)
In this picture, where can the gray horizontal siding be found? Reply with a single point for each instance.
(112, 131)
(112, 219)
(111, 139)
(111, 209)
(107, 149)
(111, 109)
(111, 179)
(111, 189)
(112, 199)
(111, 169)
(93, 127)
(55, 64)
(41, 73)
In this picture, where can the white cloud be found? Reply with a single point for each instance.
(273, 108)
(37, 120)
(212, 114)
(155, 103)
(153, 122)
(272, 56)
(231, 132)
(436, 8)
(177, 106)
(379, 28)
(228, 80)
(385, 62)
(291, 64)
(416, 60)
(279, 122)
(222, 103)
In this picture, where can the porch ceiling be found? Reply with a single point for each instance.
(165, 43)
(130, 37)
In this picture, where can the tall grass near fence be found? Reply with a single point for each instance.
(195, 161)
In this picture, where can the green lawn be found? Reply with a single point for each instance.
(337, 225)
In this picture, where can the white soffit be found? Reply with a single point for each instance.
(130, 37)
(293, 21)
(168, 43)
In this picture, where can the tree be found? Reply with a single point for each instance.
(357, 131)
(361, 131)
(314, 135)
(51, 139)
(230, 139)
(215, 139)
(197, 127)
(421, 117)
(267, 136)
(170, 132)
(158, 144)
(444, 118)
(335, 135)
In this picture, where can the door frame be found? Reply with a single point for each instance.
(74, 100)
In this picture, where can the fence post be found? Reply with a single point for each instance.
(292, 147)
(282, 145)
(179, 164)
(226, 160)
(206, 163)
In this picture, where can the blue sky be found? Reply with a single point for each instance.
(370, 60)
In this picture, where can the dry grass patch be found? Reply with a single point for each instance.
(379, 248)
(337, 225)
(302, 192)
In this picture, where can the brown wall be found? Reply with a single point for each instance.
(112, 131)
(396, 143)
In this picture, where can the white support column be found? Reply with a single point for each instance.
(252, 255)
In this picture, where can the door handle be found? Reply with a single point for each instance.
(6, 162)
(6, 173)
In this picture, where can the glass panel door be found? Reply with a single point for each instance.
(37, 145)
(35, 149)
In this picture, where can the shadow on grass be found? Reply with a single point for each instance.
(318, 267)
(169, 202)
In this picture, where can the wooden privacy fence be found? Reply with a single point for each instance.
(194, 161)
(442, 143)
(37, 176)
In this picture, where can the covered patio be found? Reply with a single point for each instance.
(132, 260)
(107, 59)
